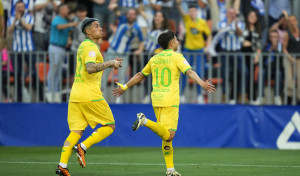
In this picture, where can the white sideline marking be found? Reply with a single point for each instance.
(153, 164)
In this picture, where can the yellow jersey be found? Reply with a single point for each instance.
(194, 39)
(87, 87)
(165, 68)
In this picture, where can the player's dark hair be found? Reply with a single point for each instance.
(86, 23)
(192, 6)
(164, 23)
(81, 8)
(61, 5)
(165, 38)
(19, 2)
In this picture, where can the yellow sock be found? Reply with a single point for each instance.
(161, 131)
(98, 136)
(66, 152)
(167, 149)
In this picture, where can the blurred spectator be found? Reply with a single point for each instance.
(103, 13)
(201, 5)
(7, 68)
(28, 5)
(20, 25)
(273, 65)
(6, 4)
(230, 47)
(2, 20)
(121, 43)
(44, 14)
(281, 26)
(275, 9)
(258, 7)
(145, 16)
(168, 7)
(291, 46)
(251, 44)
(59, 35)
(78, 36)
(218, 10)
(159, 25)
(196, 29)
(254, 5)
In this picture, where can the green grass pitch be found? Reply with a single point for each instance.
(118, 161)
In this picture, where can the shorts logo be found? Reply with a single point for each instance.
(92, 54)
(167, 148)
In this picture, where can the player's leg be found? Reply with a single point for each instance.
(77, 124)
(66, 152)
(157, 128)
(168, 118)
(98, 135)
(167, 149)
(95, 113)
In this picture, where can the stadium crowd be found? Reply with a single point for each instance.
(131, 29)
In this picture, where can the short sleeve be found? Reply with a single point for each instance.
(90, 53)
(10, 20)
(206, 28)
(186, 18)
(140, 35)
(55, 21)
(147, 69)
(182, 64)
(241, 25)
(29, 19)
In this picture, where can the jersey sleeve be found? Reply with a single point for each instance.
(206, 28)
(90, 53)
(186, 18)
(147, 69)
(182, 64)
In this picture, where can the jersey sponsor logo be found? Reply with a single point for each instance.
(92, 53)
(283, 139)
(161, 90)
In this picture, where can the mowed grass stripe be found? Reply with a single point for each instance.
(155, 164)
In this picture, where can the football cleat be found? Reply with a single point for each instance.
(62, 171)
(172, 173)
(139, 122)
(80, 152)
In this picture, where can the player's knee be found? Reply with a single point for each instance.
(172, 135)
(112, 126)
(67, 143)
(80, 132)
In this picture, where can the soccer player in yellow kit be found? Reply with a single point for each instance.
(87, 105)
(165, 68)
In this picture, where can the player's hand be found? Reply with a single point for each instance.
(117, 63)
(207, 86)
(18, 16)
(119, 91)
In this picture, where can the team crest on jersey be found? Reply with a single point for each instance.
(92, 54)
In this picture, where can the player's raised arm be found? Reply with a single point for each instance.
(137, 78)
(210, 88)
(93, 68)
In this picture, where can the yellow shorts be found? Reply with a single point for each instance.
(82, 114)
(167, 116)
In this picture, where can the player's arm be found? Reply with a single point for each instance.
(178, 3)
(93, 68)
(137, 78)
(204, 84)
